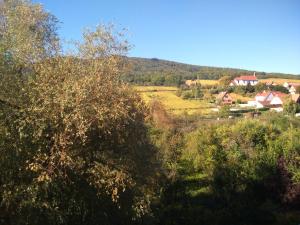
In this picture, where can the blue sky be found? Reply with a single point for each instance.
(262, 35)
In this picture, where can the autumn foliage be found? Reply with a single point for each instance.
(74, 147)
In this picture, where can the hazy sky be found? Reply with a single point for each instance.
(261, 35)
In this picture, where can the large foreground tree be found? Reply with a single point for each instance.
(74, 148)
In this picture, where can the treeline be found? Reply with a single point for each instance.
(161, 72)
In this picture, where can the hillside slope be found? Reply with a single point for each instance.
(159, 72)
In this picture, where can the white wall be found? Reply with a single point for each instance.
(260, 98)
(246, 82)
(276, 101)
(259, 105)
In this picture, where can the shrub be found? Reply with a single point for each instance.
(224, 111)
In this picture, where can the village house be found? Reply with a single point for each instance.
(224, 98)
(270, 99)
(264, 96)
(292, 87)
(244, 81)
(296, 98)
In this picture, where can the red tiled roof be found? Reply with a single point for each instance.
(275, 93)
(264, 94)
(246, 78)
(279, 94)
(294, 84)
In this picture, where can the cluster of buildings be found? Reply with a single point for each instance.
(266, 99)
(292, 87)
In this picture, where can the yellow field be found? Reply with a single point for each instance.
(278, 80)
(242, 98)
(208, 82)
(173, 103)
(155, 88)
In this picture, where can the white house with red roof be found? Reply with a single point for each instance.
(244, 81)
(278, 99)
(291, 87)
(270, 99)
(264, 96)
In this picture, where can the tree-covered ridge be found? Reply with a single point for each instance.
(162, 72)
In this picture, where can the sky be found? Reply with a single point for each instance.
(261, 35)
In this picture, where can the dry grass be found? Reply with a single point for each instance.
(177, 105)
(208, 82)
(278, 80)
(242, 98)
(155, 88)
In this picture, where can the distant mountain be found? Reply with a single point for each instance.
(164, 72)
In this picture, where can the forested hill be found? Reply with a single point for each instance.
(162, 72)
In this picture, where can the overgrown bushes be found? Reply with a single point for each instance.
(244, 172)
(255, 160)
